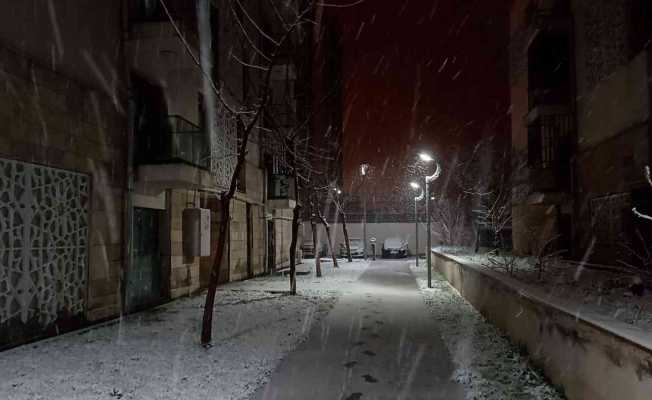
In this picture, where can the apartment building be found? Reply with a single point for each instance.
(580, 92)
(113, 153)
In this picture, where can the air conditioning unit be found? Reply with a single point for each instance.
(196, 231)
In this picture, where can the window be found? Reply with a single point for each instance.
(148, 10)
(549, 70)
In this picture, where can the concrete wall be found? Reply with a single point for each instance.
(380, 231)
(587, 360)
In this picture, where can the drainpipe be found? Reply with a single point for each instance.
(128, 214)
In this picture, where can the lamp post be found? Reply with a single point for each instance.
(418, 198)
(364, 169)
(425, 157)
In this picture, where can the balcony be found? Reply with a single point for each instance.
(549, 150)
(549, 97)
(172, 153)
(280, 192)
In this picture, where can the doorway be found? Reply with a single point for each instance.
(144, 279)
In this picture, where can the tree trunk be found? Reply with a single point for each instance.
(346, 237)
(330, 245)
(313, 225)
(207, 322)
(293, 249)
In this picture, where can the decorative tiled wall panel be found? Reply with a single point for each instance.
(43, 242)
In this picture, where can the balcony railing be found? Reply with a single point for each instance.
(171, 140)
(549, 149)
(152, 11)
(548, 97)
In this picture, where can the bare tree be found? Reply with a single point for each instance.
(648, 178)
(449, 220)
(546, 253)
(296, 215)
(327, 229)
(263, 56)
(502, 262)
(340, 201)
(248, 120)
(315, 240)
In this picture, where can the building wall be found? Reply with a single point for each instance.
(380, 231)
(238, 241)
(282, 236)
(62, 119)
(611, 108)
(184, 270)
(259, 244)
(156, 54)
(79, 39)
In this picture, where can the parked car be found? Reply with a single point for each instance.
(356, 245)
(395, 247)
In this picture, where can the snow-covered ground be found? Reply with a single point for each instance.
(488, 366)
(156, 354)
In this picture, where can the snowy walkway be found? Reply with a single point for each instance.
(378, 342)
(487, 364)
(156, 354)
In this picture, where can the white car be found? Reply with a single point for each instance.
(356, 245)
(395, 247)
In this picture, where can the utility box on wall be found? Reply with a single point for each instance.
(196, 228)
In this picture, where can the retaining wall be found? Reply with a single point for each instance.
(590, 356)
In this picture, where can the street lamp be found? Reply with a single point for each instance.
(418, 198)
(364, 170)
(425, 157)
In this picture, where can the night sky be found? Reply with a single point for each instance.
(421, 74)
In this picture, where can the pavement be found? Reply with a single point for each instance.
(378, 342)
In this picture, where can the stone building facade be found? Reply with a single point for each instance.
(62, 162)
(580, 92)
(86, 231)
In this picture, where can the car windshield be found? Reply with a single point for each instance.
(394, 243)
(356, 242)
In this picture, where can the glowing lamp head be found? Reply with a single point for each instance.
(425, 157)
(415, 186)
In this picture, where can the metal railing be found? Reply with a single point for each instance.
(174, 139)
(549, 147)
